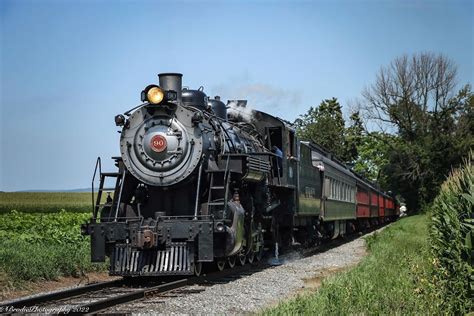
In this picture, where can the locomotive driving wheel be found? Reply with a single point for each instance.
(220, 264)
(231, 261)
(197, 268)
(242, 258)
(251, 257)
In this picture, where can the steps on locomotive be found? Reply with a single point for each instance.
(216, 203)
(218, 191)
(218, 187)
(109, 203)
(111, 174)
(106, 189)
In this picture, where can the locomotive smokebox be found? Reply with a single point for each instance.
(172, 81)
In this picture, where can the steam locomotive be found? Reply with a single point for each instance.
(199, 182)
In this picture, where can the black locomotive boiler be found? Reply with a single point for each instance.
(202, 182)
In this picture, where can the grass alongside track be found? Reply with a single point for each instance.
(47, 202)
(40, 237)
(392, 279)
(42, 246)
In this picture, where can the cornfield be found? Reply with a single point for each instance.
(451, 237)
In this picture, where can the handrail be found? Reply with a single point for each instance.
(120, 195)
(226, 182)
(197, 191)
(98, 164)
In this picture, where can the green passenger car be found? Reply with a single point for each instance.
(326, 189)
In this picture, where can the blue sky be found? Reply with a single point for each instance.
(67, 67)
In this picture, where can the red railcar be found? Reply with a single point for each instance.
(382, 200)
(363, 202)
(374, 203)
(391, 210)
(373, 206)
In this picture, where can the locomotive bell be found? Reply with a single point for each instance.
(172, 81)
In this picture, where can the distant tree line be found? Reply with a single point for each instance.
(411, 127)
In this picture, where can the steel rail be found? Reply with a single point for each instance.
(54, 296)
(94, 307)
(102, 305)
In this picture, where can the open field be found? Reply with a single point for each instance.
(393, 279)
(42, 246)
(47, 202)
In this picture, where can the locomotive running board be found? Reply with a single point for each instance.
(126, 261)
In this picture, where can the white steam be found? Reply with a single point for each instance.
(240, 111)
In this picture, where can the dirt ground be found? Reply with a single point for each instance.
(315, 281)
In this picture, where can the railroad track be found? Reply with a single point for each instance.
(99, 297)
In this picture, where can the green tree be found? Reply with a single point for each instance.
(353, 138)
(324, 125)
(414, 98)
(372, 156)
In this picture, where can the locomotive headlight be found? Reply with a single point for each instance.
(155, 95)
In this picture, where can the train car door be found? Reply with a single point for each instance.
(326, 194)
(275, 144)
(282, 142)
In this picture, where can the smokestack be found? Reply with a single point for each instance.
(171, 81)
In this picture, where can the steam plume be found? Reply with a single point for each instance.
(238, 110)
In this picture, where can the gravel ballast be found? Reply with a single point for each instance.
(256, 291)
